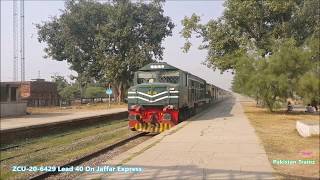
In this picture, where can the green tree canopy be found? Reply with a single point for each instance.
(252, 27)
(288, 72)
(60, 82)
(66, 91)
(107, 41)
(95, 92)
(69, 93)
(271, 46)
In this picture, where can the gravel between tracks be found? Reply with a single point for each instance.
(102, 159)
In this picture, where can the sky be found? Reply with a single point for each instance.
(40, 11)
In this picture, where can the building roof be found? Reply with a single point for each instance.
(11, 83)
(18, 83)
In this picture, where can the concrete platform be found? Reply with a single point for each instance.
(218, 144)
(47, 118)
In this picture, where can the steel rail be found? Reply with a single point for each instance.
(89, 156)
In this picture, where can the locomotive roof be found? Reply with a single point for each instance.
(166, 66)
(158, 66)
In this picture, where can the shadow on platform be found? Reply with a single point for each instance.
(221, 109)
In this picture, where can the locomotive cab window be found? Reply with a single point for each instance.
(158, 76)
(146, 77)
(169, 77)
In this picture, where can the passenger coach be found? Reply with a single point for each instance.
(164, 95)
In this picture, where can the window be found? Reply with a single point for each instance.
(146, 77)
(169, 77)
(158, 76)
(13, 94)
(186, 79)
(4, 93)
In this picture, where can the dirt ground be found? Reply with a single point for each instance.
(282, 141)
(74, 108)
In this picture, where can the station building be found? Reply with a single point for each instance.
(40, 93)
(16, 96)
(11, 101)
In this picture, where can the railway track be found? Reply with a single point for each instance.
(90, 156)
(19, 134)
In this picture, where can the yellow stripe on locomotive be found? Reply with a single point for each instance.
(154, 128)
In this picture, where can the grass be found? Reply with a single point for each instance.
(75, 108)
(282, 142)
(58, 149)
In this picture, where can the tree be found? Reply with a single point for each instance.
(269, 45)
(277, 77)
(66, 91)
(60, 82)
(69, 93)
(252, 27)
(243, 82)
(95, 92)
(71, 37)
(309, 87)
(135, 34)
(107, 41)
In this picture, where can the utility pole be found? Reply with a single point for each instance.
(22, 40)
(18, 34)
(15, 41)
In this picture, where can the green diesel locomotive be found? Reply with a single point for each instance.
(163, 95)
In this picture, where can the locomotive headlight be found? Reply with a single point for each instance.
(135, 107)
(169, 107)
(132, 107)
(167, 116)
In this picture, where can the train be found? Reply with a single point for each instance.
(163, 95)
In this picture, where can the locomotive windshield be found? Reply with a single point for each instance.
(146, 77)
(158, 76)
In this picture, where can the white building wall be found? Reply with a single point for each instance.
(13, 108)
